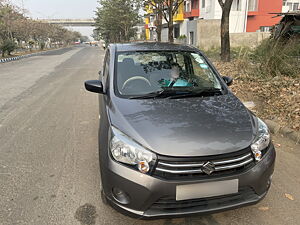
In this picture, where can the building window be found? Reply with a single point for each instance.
(188, 6)
(176, 31)
(195, 4)
(203, 4)
(265, 29)
(191, 38)
(295, 6)
(291, 5)
(236, 5)
(252, 5)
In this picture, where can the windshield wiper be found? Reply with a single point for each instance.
(160, 94)
(200, 92)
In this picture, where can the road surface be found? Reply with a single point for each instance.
(49, 170)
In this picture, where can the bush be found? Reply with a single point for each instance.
(42, 45)
(8, 46)
(276, 58)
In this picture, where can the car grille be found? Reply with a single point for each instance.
(191, 168)
(170, 204)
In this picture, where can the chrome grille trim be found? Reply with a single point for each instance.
(179, 171)
(232, 160)
(192, 167)
(181, 165)
(219, 168)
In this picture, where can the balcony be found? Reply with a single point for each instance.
(192, 13)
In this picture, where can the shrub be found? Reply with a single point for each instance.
(276, 58)
(8, 46)
(42, 45)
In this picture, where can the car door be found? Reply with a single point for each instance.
(103, 117)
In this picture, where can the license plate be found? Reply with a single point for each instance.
(205, 190)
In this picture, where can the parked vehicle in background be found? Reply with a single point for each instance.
(173, 139)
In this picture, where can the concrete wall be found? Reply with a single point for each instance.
(238, 19)
(192, 27)
(208, 35)
(164, 34)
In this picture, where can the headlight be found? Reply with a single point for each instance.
(262, 140)
(127, 151)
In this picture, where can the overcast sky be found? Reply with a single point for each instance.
(60, 9)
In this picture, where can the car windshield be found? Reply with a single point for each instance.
(142, 73)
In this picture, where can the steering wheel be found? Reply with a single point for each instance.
(134, 79)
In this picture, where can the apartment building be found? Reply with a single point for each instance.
(290, 5)
(245, 16)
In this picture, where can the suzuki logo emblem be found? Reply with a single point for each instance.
(208, 168)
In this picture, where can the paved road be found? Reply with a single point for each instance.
(49, 171)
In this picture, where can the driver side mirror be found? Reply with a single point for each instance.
(228, 80)
(95, 86)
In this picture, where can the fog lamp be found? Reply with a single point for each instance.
(120, 196)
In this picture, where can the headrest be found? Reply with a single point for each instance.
(128, 61)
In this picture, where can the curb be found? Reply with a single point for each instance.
(275, 128)
(25, 56)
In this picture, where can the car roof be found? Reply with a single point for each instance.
(152, 46)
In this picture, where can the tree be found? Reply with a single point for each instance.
(158, 8)
(7, 46)
(225, 38)
(115, 19)
(16, 30)
(168, 8)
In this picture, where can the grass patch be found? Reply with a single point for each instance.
(269, 59)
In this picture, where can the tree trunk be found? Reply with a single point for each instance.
(170, 23)
(159, 25)
(225, 37)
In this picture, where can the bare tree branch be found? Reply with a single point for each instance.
(222, 4)
(176, 6)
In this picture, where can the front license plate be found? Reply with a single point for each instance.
(205, 190)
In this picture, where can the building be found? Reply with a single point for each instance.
(149, 23)
(245, 16)
(259, 17)
(291, 5)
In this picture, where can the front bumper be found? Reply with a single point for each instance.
(148, 195)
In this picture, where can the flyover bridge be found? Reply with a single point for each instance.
(70, 22)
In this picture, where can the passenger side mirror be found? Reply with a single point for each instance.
(228, 80)
(95, 86)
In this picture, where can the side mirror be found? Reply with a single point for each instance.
(228, 80)
(100, 73)
(95, 86)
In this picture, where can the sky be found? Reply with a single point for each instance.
(60, 9)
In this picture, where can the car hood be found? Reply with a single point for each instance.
(185, 127)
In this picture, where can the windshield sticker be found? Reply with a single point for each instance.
(197, 58)
(204, 66)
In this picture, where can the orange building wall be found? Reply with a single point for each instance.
(262, 16)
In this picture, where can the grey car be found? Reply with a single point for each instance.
(173, 139)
